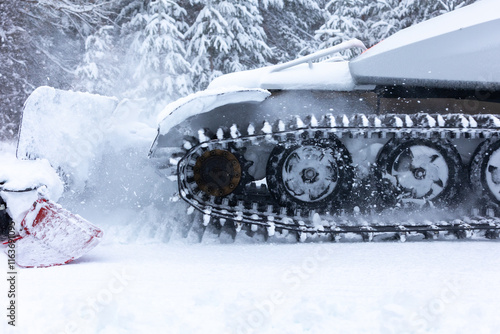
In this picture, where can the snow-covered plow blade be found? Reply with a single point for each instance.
(39, 232)
(48, 235)
(65, 128)
(70, 141)
(53, 236)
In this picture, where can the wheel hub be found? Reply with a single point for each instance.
(422, 171)
(217, 172)
(310, 173)
(419, 173)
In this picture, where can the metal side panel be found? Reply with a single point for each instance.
(457, 50)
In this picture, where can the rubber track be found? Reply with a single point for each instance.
(272, 217)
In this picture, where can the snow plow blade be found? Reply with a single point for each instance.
(75, 123)
(52, 236)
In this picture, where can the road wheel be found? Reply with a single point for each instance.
(485, 172)
(311, 174)
(421, 169)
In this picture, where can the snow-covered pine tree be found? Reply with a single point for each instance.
(347, 19)
(206, 39)
(394, 15)
(227, 36)
(102, 68)
(372, 21)
(161, 72)
(445, 6)
(98, 71)
(13, 71)
(40, 44)
(290, 26)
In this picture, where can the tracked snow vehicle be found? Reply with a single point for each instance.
(402, 138)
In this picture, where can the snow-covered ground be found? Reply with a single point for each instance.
(147, 278)
(427, 287)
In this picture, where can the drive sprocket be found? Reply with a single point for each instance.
(217, 172)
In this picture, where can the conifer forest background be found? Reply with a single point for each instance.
(160, 50)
